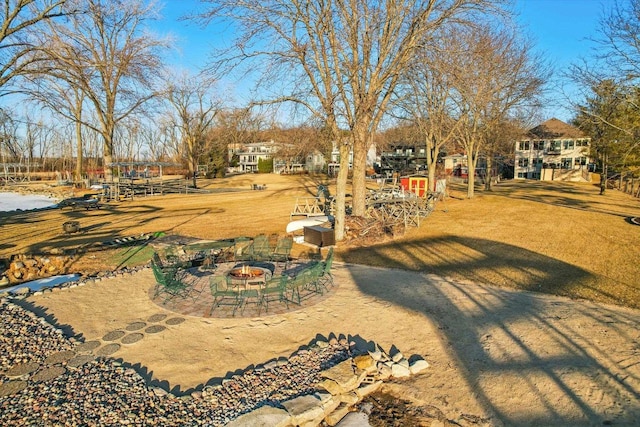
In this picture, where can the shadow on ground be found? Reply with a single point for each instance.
(560, 372)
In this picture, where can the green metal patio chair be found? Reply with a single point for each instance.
(223, 295)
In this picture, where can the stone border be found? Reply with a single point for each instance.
(25, 291)
(344, 386)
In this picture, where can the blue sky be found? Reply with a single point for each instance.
(559, 28)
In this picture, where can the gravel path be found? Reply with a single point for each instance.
(47, 379)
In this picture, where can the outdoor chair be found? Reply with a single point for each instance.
(250, 296)
(282, 251)
(223, 295)
(172, 255)
(313, 284)
(325, 278)
(261, 248)
(275, 290)
(302, 285)
(172, 282)
(243, 249)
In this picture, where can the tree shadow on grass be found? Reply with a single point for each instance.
(560, 371)
(567, 195)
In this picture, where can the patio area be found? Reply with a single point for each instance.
(244, 277)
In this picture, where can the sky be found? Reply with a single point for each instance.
(560, 30)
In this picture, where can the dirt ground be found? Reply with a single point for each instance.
(469, 291)
(498, 357)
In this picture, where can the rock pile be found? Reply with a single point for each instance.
(23, 268)
(342, 386)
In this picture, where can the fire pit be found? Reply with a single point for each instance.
(247, 271)
(248, 274)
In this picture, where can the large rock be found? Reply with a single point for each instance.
(354, 419)
(343, 374)
(265, 416)
(304, 409)
(418, 366)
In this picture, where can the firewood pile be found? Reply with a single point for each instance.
(361, 230)
(23, 268)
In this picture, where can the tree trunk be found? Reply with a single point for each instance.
(471, 174)
(603, 175)
(107, 156)
(487, 179)
(79, 159)
(432, 159)
(359, 187)
(341, 191)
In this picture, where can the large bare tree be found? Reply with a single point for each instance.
(104, 52)
(19, 19)
(340, 59)
(426, 97)
(495, 75)
(194, 110)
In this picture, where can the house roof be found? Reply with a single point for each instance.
(555, 128)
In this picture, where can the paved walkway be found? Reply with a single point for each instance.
(201, 305)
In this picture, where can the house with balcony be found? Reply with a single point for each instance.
(553, 151)
(250, 154)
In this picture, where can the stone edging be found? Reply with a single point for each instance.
(344, 386)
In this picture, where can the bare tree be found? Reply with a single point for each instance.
(236, 127)
(194, 110)
(494, 76)
(341, 60)
(64, 100)
(18, 21)
(104, 53)
(610, 109)
(426, 98)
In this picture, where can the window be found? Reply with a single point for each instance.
(536, 162)
(568, 144)
(522, 174)
(523, 163)
(523, 146)
(582, 143)
(581, 160)
(538, 145)
(555, 146)
(567, 162)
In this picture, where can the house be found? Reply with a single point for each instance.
(402, 158)
(334, 165)
(552, 151)
(250, 154)
(289, 159)
(457, 165)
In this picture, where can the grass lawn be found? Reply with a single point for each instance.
(556, 238)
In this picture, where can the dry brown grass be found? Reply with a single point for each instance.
(555, 238)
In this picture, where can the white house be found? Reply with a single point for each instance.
(250, 154)
(551, 151)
